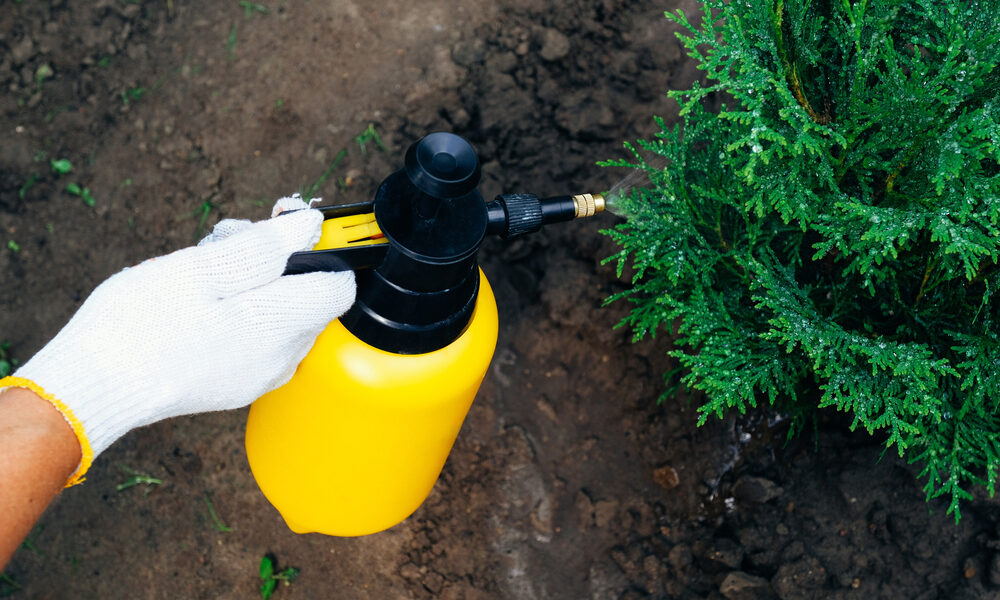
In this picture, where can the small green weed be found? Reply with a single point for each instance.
(310, 193)
(369, 135)
(43, 73)
(7, 362)
(13, 246)
(217, 523)
(21, 193)
(138, 478)
(202, 213)
(132, 95)
(29, 542)
(61, 166)
(7, 585)
(231, 44)
(251, 8)
(82, 192)
(270, 576)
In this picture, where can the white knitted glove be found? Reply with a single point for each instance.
(205, 328)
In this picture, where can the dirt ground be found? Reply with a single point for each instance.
(568, 480)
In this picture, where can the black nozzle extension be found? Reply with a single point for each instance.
(512, 215)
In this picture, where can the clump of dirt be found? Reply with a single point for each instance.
(568, 480)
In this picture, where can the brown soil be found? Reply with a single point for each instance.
(568, 479)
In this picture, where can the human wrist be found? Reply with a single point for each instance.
(32, 419)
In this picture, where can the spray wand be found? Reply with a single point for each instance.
(354, 241)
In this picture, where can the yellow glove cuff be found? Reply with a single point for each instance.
(86, 452)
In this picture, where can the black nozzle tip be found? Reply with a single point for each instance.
(443, 165)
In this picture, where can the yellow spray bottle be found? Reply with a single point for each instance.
(353, 444)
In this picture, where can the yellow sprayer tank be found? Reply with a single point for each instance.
(370, 429)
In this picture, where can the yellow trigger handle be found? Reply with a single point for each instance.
(350, 231)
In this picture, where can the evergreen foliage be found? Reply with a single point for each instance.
(830, 236)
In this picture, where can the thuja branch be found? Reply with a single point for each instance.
(848, 262)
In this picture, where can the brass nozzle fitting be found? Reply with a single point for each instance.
(588, 205)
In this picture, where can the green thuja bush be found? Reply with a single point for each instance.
(829, 237)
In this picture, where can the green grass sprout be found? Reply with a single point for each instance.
(138, 478)
(9, 585)
(23, 191)
(217, 523)
(311, 191)
(83, 192)
(61, 166)
(251, 8)
(270, 576)
(369, 135)
(132, 95)
(231, 43)
(43, 73)
(7, 362)
(202, 213)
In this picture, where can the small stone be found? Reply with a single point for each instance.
(459, 118)
(667, 477)
(743, 586)
(468, 54)
(799, 579)
(781, 529)
(723, 554)
(555, 44)
(410, 571)
(22, 51)
(433, 582)
(756, 489)
(604, 512)
(969, 569)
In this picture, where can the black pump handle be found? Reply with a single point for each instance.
(350, 258)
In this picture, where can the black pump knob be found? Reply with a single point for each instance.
(443, 165)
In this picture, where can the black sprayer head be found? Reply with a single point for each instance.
(421, 296)
(417, 292)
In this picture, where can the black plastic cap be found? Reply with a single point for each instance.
(523, 212)
(443, 165)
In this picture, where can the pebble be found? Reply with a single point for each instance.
(723, 552)
(410, 571)
(604, 512)
(468, 54)
(667, 477)
(756, 489)
(555, 44)
(22, 51)
(743, 586)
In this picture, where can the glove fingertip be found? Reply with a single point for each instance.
(293, 202)
(301, 230)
